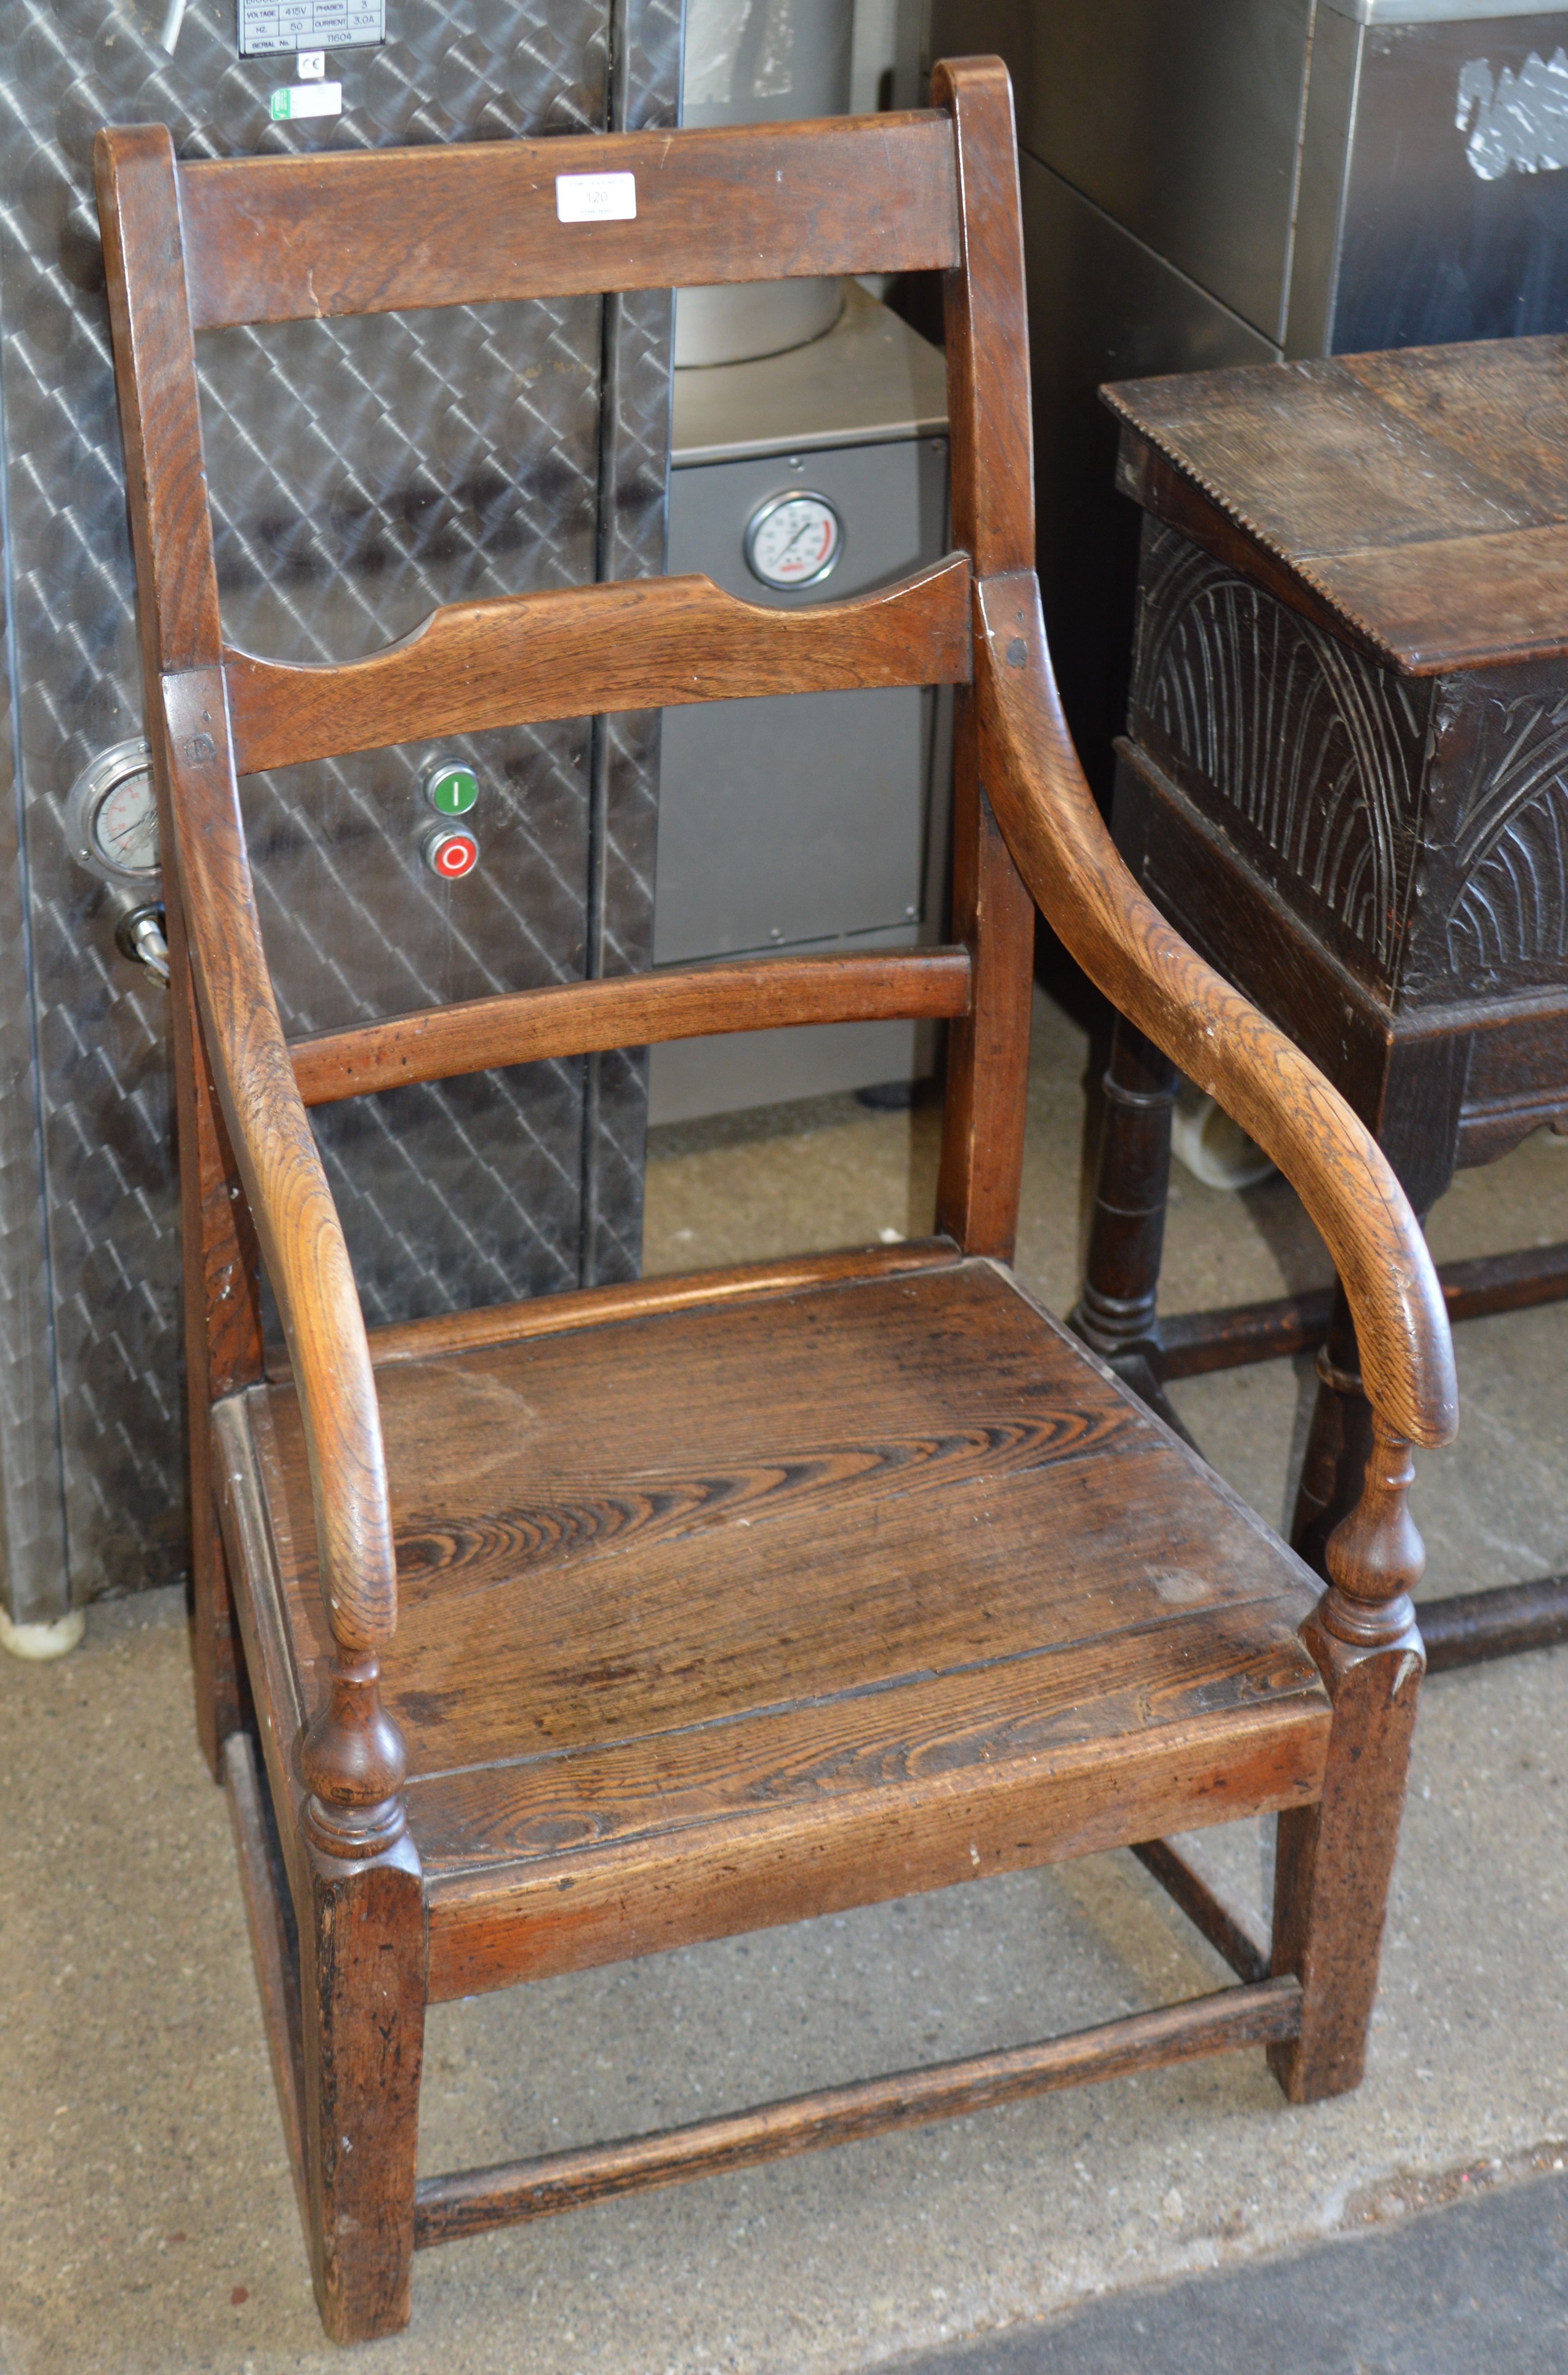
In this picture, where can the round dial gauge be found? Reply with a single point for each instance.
(794, 540)
(111, 816)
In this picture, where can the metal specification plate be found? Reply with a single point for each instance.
(269, 25)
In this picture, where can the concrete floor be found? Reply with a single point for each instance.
(147, 2220)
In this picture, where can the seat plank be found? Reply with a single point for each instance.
(634, 1010)
(603, 1307)
(1016, 1800)
(283, 239)
(575, 651)
(569, 1511)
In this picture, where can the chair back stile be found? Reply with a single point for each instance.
(217, 243)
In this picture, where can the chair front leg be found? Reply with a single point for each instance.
(362, 1985)
(1335, 1858)
(362, 1992)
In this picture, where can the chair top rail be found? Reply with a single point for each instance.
(284, 239)
(575, 652)
(583, 1017)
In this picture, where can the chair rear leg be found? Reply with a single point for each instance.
(1335, 1858)
(363, 1990)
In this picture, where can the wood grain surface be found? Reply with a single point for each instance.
(274, 1952)
(580, 650)
(285, 239)
(1415, 501)
(958, 1602)
(296, 1220)
(473, 2201)
(1220, 1041)
(993, 511)
(177, 590)
(632, 1011)
(642, 1298)
(709, 1604)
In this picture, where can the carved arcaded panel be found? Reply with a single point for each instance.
(1307, 755)
(1507, 923)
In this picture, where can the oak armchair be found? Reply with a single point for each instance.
(591, 1626)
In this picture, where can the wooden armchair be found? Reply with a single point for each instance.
(594, 1626)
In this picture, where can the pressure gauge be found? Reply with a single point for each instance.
(794, 539)
(111, 817)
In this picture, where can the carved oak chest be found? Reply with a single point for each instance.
(1346, 770)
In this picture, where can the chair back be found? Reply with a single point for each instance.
(212, 244)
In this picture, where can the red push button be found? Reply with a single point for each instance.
(450, 855)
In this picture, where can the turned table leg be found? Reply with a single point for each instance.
(1115, 1315)
(1339, 1440)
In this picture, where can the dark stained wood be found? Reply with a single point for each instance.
(222, 1340)
(988, 415)
(906, 1599)
(1116, 1311)
(598, 1307)
(1344, 775)
(475, 2201)
(981, 1170)
(237, 1454)
(296, 1221)
(888, 1415)
(1454, 605)
(993, 513)
(491, 1924)
(1220, 1041)
(1491, 406)
(1334, 1860)
(1232, 1929)
(632, 1011)
(1409, 500)
(177, 587)
(641, 644)
(1469, 1626)
(1196, 1342)
(139, 202)
(355, 232)
(274, 1953)
(361, 1984)
(582, 1629)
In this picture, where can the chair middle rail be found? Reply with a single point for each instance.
(582, 1018)
(573, 652)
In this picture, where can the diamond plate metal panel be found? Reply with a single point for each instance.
(362, 472)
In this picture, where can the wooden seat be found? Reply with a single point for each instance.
(906, 1572)
(584, 1628)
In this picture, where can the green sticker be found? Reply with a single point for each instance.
(280, 106)
(454, 790)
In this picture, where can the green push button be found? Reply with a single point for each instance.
(451, 790)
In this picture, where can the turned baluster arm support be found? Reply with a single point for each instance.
(352, 1760)
(1061, 848)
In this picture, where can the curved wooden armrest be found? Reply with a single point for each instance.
(1066, 855)
(301, 1238)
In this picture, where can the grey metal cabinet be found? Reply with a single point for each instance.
(815, 821)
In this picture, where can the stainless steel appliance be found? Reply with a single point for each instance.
(363, 472)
